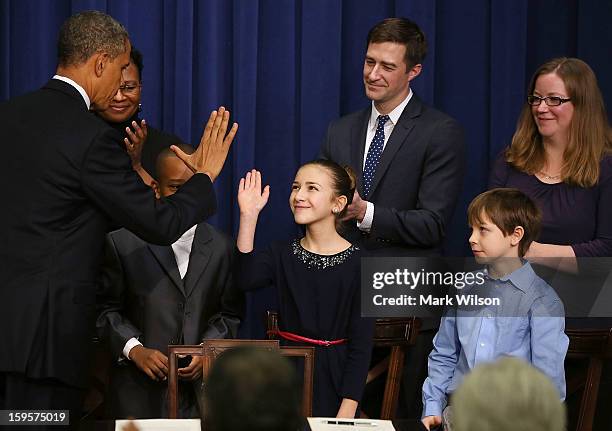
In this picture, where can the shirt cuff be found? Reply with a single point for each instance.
(433, 409)
(366, 223)
(131, 343)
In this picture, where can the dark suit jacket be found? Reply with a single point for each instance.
(68, 179)
(416, 184)
(143, 296)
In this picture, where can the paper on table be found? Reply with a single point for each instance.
(334, 424)
(160, 424)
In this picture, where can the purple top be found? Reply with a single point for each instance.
(576, 216)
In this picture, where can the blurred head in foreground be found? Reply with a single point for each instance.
(252, 389)
(507, 395)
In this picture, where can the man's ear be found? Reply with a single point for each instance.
(517, 235)
(156, 189)
(101, 61)
(414, 71)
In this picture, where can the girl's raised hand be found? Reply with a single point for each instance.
(251, 199)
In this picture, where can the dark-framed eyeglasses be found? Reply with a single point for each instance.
(129, 88)
(534, 100)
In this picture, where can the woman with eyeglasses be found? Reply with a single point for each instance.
(123, 115)
(560, 156)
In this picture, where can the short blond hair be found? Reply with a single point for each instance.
(507, 395)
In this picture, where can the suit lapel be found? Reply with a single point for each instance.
(398, 137)
(358, 137)
(201, 252)
(165, 257)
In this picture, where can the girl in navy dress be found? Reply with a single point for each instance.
(317, 280)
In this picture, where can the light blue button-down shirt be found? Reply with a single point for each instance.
(529, 326)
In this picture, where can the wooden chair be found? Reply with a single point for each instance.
(173, 352)
(306, 354)
(397, 334)
(213, 348)
(210, 349)
(595, 345)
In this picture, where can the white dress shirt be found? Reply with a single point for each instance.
(182, 250)
(394, 116)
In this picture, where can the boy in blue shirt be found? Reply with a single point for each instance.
(530, 322)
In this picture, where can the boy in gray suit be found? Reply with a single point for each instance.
(153, 296)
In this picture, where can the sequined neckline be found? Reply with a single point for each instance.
(321, 261)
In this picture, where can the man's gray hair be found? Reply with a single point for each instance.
(507, 395)
(87, 33)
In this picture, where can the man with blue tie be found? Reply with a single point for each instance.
(409, 161)
(408, 157)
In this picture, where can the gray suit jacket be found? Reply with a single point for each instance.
(143, 296)
(416, 184)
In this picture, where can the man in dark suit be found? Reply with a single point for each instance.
(409, 161)
(155, 295)
(407, 156)
(71, 180)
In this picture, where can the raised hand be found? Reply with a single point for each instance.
(135, 141)
(214, 145)
(251, 200)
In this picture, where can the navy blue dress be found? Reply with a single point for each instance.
(571, 215)
(319, 298)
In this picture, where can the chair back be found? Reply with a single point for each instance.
(595, 345)
(396, 334)
(212, 348)
(173, 353)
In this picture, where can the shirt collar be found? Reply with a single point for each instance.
(394, 115)
(80, 89)
(188, 235)
(521, 278)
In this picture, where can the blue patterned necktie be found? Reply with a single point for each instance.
(374, 153)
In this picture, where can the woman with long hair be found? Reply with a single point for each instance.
(560, 156)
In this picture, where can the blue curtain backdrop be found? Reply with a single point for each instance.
(286, 68)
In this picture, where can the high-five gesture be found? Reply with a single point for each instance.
(251, 201)
(214, 145)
